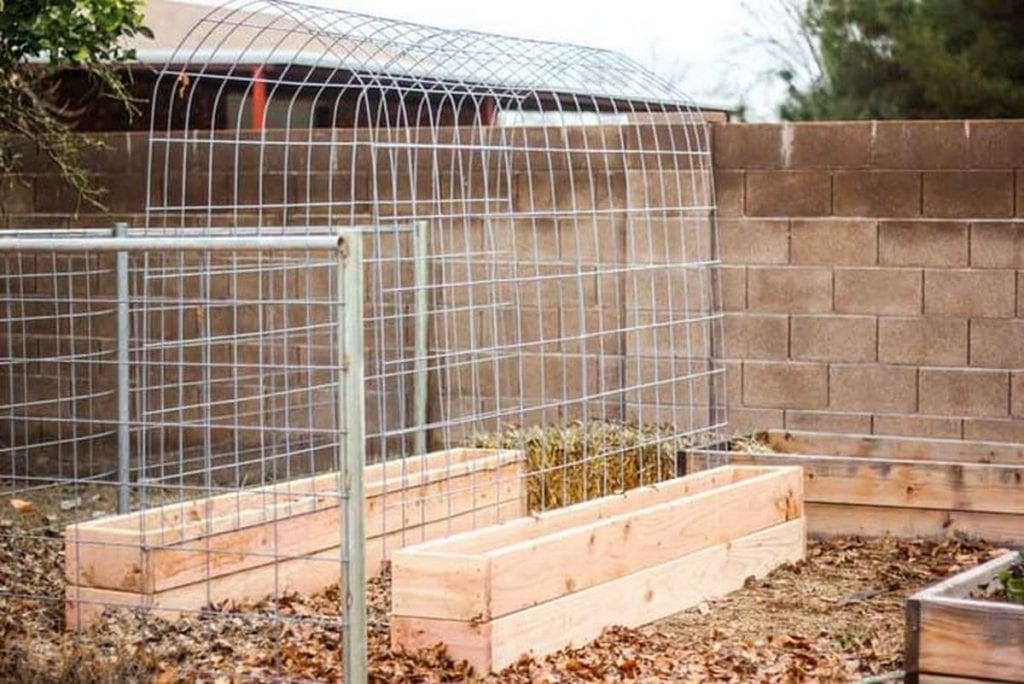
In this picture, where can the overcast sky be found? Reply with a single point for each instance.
(696, 43)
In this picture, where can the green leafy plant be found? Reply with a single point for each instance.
(1012, 580)
(39, 39)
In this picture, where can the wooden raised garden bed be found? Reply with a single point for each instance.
(541, 583)
(279, 538)
(914, 488)
(952, 637)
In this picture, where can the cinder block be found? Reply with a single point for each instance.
(839, 242)
(968, 292)
(667, 192)
(889, 291)
(962, 392)
(747, 146)
(665, 335)
(826, 421)
(923, 341)
(827, 144)
(874, 388)
(920, 145)
(877, 193)
(785, 385)
(994, 430)
(974, 194)
(647, 240)
(734, 287)
(919, 426)
(753, 241)
(729, 190)
(801, 289)
(996, 144)
(545, 190)
(997, 343)
(733, 383)
(754, 336)
(788, 193)
(743, 421)
(997, 245)
(832, 338)
(922, 243)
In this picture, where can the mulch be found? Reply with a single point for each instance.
(837, 616)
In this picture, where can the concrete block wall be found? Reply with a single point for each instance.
(873, 276)
(534, 307)
(872, 272)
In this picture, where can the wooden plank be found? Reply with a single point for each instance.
(907, 484)
(971, 638)
(516, 531)
(926, 678)
(897, 448)
(633, 600)
(115, 562)
(893, 447)
(825, 520)
(306, 574)
(508, 578)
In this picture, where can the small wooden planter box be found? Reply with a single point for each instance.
(954, 638)
(541, 583)
(915, 488)
(279, 538)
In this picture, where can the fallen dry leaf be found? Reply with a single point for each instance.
(23, 506)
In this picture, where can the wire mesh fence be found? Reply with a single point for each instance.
(538, 314)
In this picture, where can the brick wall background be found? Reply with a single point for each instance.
(568, 270)
(872, 272)
(874, 276)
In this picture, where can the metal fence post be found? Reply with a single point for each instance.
(349, 303)
(420, 308)
(123, 388)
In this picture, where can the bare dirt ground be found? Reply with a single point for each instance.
(837, 616)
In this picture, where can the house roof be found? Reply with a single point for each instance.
(279, 32)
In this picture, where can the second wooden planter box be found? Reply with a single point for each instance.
(952, 637)
(543, 582)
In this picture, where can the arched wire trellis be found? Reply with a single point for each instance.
(537, 229)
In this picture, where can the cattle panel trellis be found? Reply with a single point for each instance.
(537, 283)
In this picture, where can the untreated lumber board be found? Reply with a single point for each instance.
(825, 520)
(304, 574)
(499, 573)
(950, 634)
(113, 556)
(906, 484)
(890, 447)
(632, 600)
(514, 531)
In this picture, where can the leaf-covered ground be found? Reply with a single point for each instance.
(837, 616)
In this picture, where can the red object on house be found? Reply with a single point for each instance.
(259, 98)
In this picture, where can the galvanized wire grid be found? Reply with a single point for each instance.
(537, 223)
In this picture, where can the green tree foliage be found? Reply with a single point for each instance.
(912, 59)
(39, 38)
